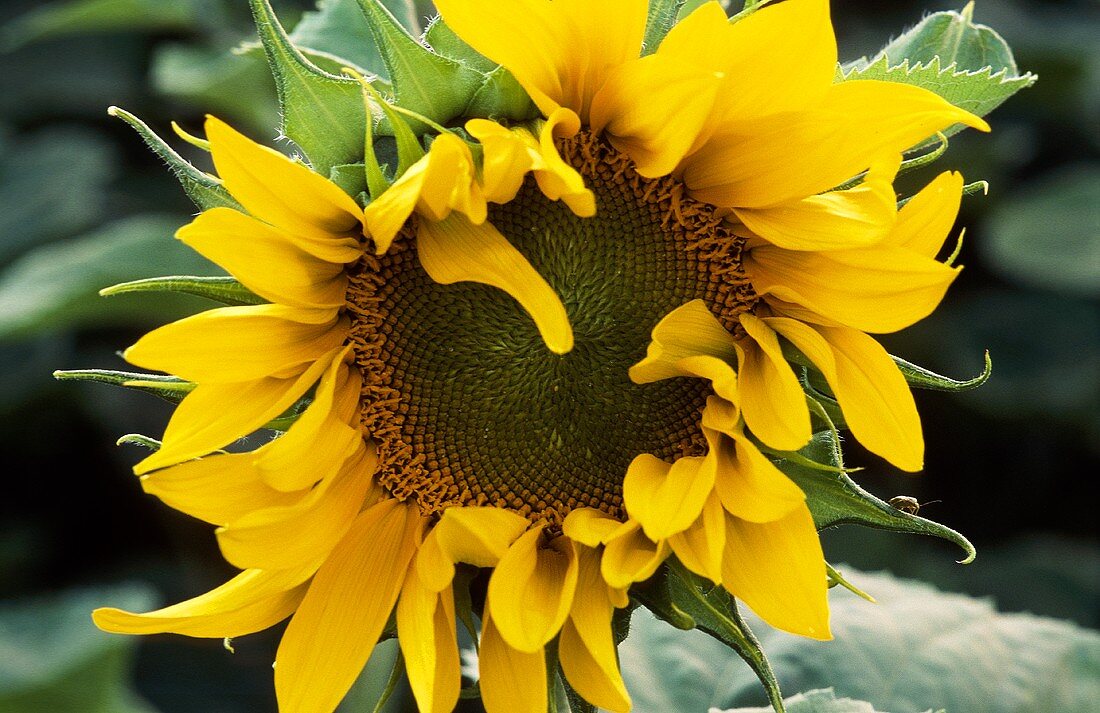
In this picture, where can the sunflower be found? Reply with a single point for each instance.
(549, 356)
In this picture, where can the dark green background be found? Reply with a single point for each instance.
(1012, 465)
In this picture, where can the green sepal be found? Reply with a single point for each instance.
(169, 388)
(322, 113)
(204, 190)
(409, 150)
(835, 499)
(922, 378)
(136, 439)
(445, 41)
(502, 97)
(225, 290)
(663, 15)
(427, 83)
(838, 579)
(350, 177)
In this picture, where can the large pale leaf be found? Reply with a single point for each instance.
(820, 701)
(56, 287)
(83, 16)
(339, 28)
(54, 660)
(917, 649)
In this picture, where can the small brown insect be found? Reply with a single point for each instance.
(908, 504)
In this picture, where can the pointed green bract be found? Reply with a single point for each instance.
(203, 189)
(136, 439)
(925, 379)
(169, 388)
(662, 18)
(435, 86)
(225, 290)
(835, 499)
(322, 113)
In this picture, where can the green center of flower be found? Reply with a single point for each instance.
(468, 405)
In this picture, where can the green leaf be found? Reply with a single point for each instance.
(203, 189)
(52, 183)
(820, 701)
(434, 86)
(169, 388)
(369, 688)
(322, 113)
(979, 91)
(443, 40)
(225, 290)
(351, 177)
(1024, 245)
(917, 649)
(54, 660)
(663, 15)
(926, 379)
(339, 29)
(58, 19)
(835, 499)
(56, 286)
(956, 40)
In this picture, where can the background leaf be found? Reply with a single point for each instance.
(820, 701)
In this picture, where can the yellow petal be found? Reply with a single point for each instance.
(214, 415)
(305, 531)
(266, 260)
(320, 441)
(772, 400)
(234, 344)
(872, 392)
(589, 526)
(700, 547)
(532, 588)
(597, 681)
(559, 51)
(857, 217)
(750, 486)
(799, 154)
(217, 489)
(687, 331)
(508, 155)
(778, 570)
(631, 557)
(426, 631)
(475, 535)
(277, 190)
(456, 250)
(878, 289)
(338, 623)
(666, 499)
(789, 45)
(511, 681)
(250, 602)
(558, 180)
(926, 220)
(632, 107)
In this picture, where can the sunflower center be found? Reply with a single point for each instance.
(465, 401)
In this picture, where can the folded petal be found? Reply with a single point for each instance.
(666, 499)
(532, 589)
(426, 632)
(598, 682)
(750, 486)
(926, 220)
(700, 547)
(778, 570)
(250, 602)
(799, 154)
(687, 331)
(838, 220)
(556, 179)
(305, 531)
(214, 415)
(475, 535)
(338, 623)
(877, 289)
(512, 681)
(456, 250)
(234, 344)
(267, 260)
(508, 156)
(632, 107)
(631, 557)
(772, 400)
(589, 526)
(277, 190)
(872, 392)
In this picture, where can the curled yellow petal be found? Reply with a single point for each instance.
(475, 535)
(532, 589)
(512, 681)
(772, 400)
(426, 632)
(631, 557)
(700, 546)
(557, 179)
(456, 250)
(666, 499)
(926, 220)
(589, 526)
(687, 331)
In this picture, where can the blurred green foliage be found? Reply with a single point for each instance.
(84, 205)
